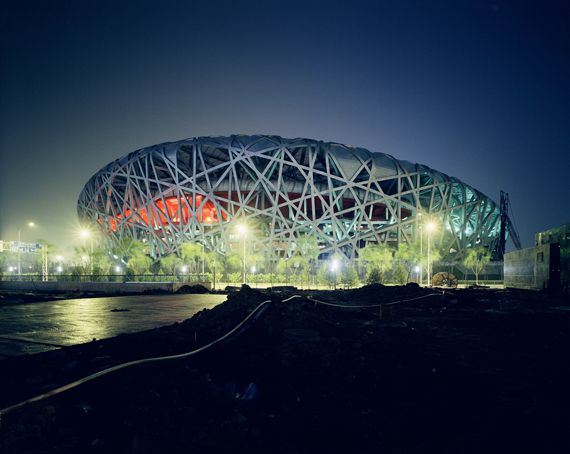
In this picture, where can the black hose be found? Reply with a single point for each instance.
(253, 315)
(364, 306)
(237, 330)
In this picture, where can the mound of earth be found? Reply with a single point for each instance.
(194, 289)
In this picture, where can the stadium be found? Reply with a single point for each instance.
(345, 197)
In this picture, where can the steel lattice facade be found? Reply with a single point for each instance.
(197, 189)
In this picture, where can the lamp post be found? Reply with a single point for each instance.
(45, 267)
(421, 254)
(30, 224)
(334, 267)
(203, 247)
(253, 270)
(59, 267)
(430, 227)
(421, 268)
(242, 230)
(207, 223)
(86, 234)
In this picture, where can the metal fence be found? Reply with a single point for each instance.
(184, 278)
(484, 282)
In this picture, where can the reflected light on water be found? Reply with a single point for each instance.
(87, 322)
(68, 322)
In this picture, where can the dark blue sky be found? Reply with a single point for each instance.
(479, 90)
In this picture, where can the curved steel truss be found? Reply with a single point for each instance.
(346, 197)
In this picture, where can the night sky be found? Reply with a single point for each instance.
(479, 90)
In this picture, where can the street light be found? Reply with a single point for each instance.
(87, 234)
(430, 227)
(203, 251)
(253, 269)
(421, 267)
(59, 260)
(30, 224)
(242, 230)
(334, 268)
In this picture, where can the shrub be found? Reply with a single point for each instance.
(374, 276)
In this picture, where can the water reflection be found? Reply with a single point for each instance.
(88, 322)
(75, 321)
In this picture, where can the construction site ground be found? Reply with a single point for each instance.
(417, 371)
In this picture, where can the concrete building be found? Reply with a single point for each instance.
(546, 265)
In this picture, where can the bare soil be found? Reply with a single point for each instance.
(468, 371)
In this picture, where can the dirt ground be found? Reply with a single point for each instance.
(467, 371)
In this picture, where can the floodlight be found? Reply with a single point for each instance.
(334, 264)
(431, 226)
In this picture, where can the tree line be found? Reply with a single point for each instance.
(377, 263)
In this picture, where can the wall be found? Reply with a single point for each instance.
(560, 235)
(519, 268)
(94, 287)
(535, 268)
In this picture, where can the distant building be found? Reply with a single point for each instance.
(12, 246)
(546, 265)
